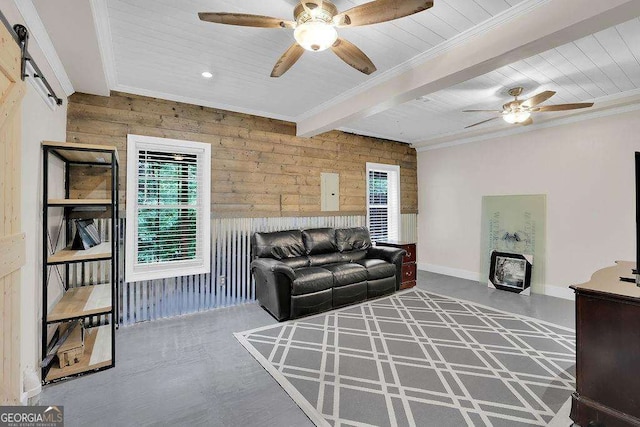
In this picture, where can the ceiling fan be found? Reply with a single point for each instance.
(315, 23)
(519, 112)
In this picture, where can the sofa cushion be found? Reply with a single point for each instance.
(328, 258)
(297, 262)
(352, 256)
(279, 245)
(319, 240)
(377, 268)
(346, 273)
(349, 239)
(311, 279)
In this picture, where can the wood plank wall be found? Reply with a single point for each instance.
(259, 167)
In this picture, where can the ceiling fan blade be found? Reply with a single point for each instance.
(353, 56)
(564, 107)
(527, 122)
(479, 123)
(538, 99)
(245, 20)
(380, 11)
(287, 60)
(482, 111)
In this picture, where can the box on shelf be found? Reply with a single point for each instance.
(72, 350)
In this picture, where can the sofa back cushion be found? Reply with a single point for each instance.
(350, 239)
(328, 258)
(297, 262)
(352, 256)
(319, 240)
(279, 245)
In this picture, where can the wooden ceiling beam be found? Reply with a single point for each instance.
(547, 25)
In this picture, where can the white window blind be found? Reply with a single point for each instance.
(383, 201)
(168, 208)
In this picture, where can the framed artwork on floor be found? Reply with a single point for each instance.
(511, 272)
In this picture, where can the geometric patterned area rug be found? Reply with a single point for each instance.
(416, 358)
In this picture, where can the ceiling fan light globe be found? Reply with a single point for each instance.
(315, 35)
(515, 117)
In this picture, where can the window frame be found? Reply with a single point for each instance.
(135, 272)
(392, 217)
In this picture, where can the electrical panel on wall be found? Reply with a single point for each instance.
(330, 191)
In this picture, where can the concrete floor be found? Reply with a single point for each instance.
(190, 370)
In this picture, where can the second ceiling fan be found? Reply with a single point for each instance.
(315, 23)
(518, 112)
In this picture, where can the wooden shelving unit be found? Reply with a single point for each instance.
(71, 203)
(68, 255)
(82, 302)
(91, 304)
(97, 354)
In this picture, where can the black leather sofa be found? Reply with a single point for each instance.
(298, 273)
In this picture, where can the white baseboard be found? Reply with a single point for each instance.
(32, 385)
(448, 271)
(559, 292)
(552, 291)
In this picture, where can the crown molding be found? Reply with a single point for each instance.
(39, 33)
(103, 29)
(105, 42)
(624, 102)
(199, 102)
(477, 31)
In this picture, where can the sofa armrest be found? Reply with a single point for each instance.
(274, 266)
(273, 286)
(391, 255)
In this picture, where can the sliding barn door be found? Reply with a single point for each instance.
(12, 249)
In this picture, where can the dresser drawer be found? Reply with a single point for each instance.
(411, 253)
(408, 272)
(407, 285)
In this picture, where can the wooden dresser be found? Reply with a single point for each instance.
(608, 350)
(408, 262)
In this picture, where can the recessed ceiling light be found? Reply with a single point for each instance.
(207, 74)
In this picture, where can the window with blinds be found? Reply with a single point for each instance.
(383, 201)
(168, 198)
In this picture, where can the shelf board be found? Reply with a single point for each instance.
(78, 202)
(83, 153)
(68, 255)
(97, 354)
(82, 301)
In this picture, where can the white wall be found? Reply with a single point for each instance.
(586, 169)
(39, 123)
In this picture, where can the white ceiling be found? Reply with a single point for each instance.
(599, 67)
(87, 74)
(583, 49)
(161, 45)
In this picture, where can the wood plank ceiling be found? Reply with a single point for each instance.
(160, 48)
(600, 67)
